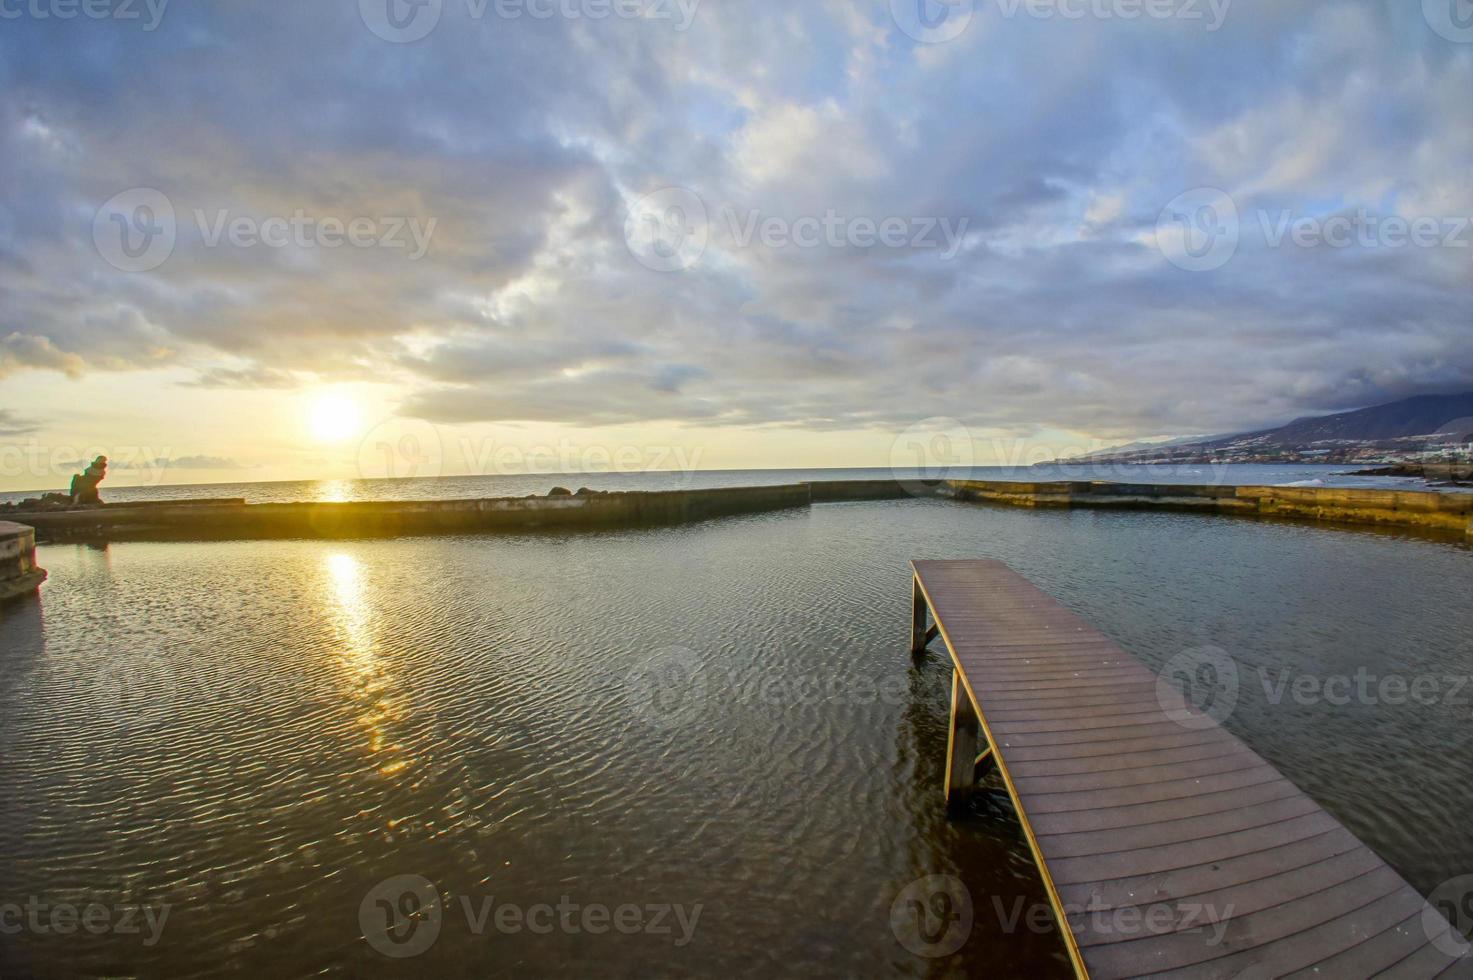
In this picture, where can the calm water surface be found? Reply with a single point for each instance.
(258, 734)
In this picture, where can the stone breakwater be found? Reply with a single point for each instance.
(378, 519)
(234, 519)
(18, 571)
(1406, 508)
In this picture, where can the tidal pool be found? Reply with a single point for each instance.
(700, 750)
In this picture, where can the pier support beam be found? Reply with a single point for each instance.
(963, 748)
(920, 635)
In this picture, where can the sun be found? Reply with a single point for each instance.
(334, 419)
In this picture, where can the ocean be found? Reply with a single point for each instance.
(517, 485)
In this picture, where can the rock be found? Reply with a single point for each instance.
(559, 492)
(50, 501)
(84, 484)
(585, 492)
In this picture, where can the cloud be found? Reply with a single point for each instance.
(203, 463)
(151, 464)
(252, 376)
(13, 426)
(19, 351)
(1059, 143)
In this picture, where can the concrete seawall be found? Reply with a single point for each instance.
(841, 491)
(227, 519)
(376, 519)
(18, 571)
(1406, 508)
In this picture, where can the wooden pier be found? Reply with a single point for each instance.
(1140, 809)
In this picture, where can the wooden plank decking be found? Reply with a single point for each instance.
(1140, 810)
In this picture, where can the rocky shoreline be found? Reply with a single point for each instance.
(1438, 474)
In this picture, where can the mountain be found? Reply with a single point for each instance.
(1151, 446)
(1410, 428)
(1420, 416)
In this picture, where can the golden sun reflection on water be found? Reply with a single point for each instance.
(353, 614)
(333, 492)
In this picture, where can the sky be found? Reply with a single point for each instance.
(262, 240)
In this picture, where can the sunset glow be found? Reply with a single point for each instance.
(334, 419)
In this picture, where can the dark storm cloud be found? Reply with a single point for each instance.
(525, 141)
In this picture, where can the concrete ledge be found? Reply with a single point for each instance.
(24, 585)
(410, 517)
(233, 518)
(19, 573)
(840, 491)
(1405, 508)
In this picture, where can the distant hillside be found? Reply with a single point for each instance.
(1384, 432)
(1420, 416)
